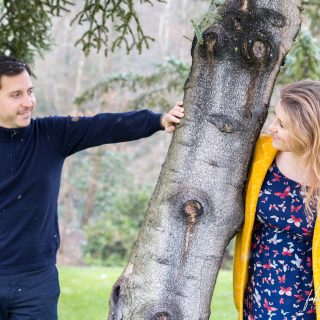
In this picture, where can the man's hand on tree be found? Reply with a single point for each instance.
(172, 118)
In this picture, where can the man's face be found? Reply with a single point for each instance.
(17, 100)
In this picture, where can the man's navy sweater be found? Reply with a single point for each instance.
(31, 161)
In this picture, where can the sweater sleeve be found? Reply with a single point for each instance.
(79, 133)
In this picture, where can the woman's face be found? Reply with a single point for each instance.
(281, 139)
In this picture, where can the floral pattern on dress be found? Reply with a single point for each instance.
(280, 279)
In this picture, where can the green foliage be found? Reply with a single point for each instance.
(97, 13)
(152, 90)
(25, 25)
(110, 238)
(118, 204)
(312, 11)
(303, 60)
(210, 18)
(113, 176)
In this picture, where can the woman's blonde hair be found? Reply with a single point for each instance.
(301, 102)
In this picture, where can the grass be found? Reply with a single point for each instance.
(85, 294)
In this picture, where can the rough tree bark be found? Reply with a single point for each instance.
(197, 205)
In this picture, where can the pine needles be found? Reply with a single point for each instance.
(210, 18)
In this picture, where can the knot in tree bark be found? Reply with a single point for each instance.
(210, 41)
(228, 127)
(256, 50)
(162, 316)
(193, 209)
(211, 45)
(237, 24)
(259, 50)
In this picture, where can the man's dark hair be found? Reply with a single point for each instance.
(10, 66)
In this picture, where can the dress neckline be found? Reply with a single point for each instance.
(289, 179)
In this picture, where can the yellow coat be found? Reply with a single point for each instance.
(264, 154)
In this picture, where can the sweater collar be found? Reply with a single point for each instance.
(8, 133)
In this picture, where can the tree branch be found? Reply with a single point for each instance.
(26, 25)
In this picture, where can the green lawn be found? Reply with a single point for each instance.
(85, 293)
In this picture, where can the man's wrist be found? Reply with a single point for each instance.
(161, 125)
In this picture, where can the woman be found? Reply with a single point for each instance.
(277, 253)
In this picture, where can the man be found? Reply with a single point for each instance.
(32, 153)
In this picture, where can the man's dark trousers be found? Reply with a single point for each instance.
(30, 296)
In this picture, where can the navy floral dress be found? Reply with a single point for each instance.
(280, 282)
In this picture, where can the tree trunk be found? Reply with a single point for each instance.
(197, 205)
